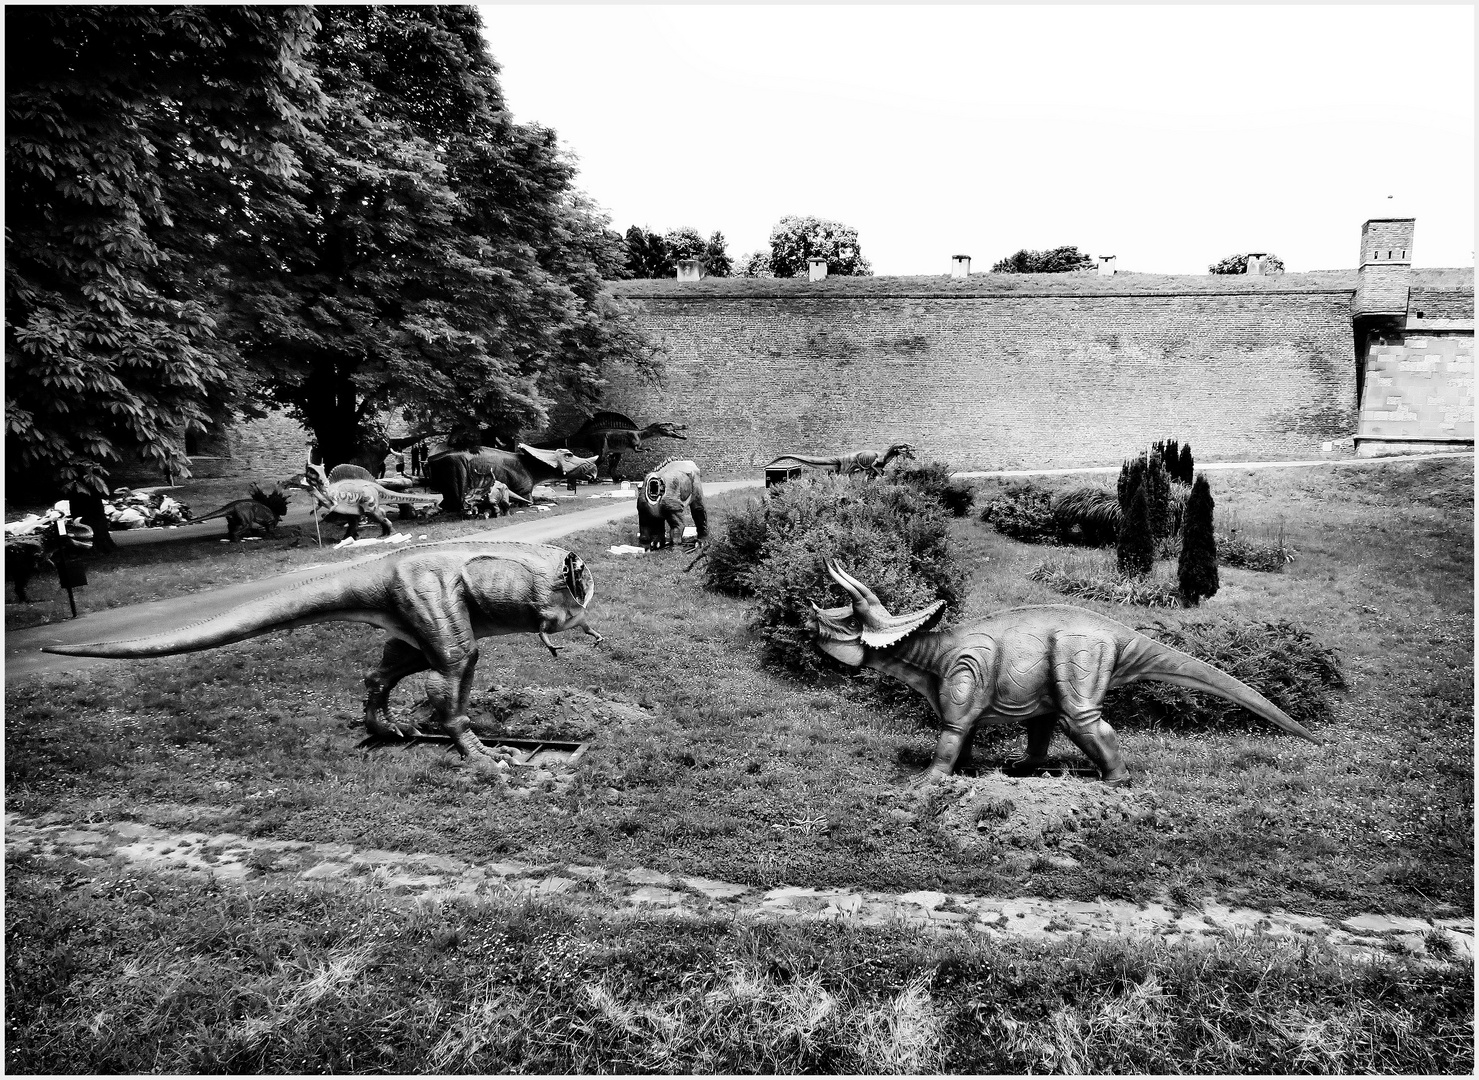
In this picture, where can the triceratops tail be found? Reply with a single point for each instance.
(320, 599)
(1146, 658)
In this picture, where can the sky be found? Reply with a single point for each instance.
(1169, 136)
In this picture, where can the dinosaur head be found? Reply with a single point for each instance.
(901, 450)
(846, 633)
(76, 534)
(667, 429)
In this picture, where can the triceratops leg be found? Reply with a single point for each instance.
(959, 704)
(397, 661)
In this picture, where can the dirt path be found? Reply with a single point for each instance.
(80, 853)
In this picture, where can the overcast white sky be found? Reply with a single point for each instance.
(1170, 136)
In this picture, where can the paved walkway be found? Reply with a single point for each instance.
(1213, 466)
(23, 655)
(98, 848)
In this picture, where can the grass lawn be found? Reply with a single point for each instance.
(745, 776)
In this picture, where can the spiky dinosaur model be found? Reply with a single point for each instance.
(434, 600)
(665, 493)
(262, 511)
(1027, 665)
(871, 462)
(350, 499)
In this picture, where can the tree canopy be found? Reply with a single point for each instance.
(1057, 260)
(794, 240)
(113, 116)
(1238, 264)
(650, 254)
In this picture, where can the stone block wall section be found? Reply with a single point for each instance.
(270, 449)
(999, 380)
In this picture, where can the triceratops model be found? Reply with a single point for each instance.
(349, 499)
(434, 600)
(665, 492)
(262, 511)
(1029, 665)
(868, 462)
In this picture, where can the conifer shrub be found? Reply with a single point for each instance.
(1187, 467)
(1148, 473)
(1024, 512)
(1281, 660)
(888, 536)
(1135, 545)
(1196, 570)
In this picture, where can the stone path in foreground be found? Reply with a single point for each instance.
(82, 852)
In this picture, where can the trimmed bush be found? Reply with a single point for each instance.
(1278, 659)
(1024, 513)
(958, 498)
(1196, 570)
(1135, 545)
(888, 536)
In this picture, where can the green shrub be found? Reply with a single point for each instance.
(1278, 659)
(1097, 578)
(1087, 515)
(890, 537)
(958, 498)
(1270, 555)
(1196, 569)
(928, 478)
(1025, 513)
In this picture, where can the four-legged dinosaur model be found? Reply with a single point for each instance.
(28, 553)
(1027, 665)
(456, 472)
(434, 600)
(491, 498)
(262, 511)
(870, 462)
(349, 499)
(665, 492)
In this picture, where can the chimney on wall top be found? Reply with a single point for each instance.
(817, 268)
(960, 266)
(1106, 265)
(690, 269)
(1255, 263)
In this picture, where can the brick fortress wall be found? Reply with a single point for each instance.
(997, 380)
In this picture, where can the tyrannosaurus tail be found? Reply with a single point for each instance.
(325, 598)
(1146, 658)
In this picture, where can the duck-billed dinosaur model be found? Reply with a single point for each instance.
(350, 498)
(434, 600)
(1027, 665)
(665, 493)
(262, 511)
(871, 462)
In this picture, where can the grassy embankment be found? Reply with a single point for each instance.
(748, 777)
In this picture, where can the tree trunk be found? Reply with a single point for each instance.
(89, 507)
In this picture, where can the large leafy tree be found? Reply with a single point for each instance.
(650, 254)
(114, 117)
(794, 240)
(433, 257)
(1057, 260)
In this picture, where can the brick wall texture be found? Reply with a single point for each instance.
(999, 381)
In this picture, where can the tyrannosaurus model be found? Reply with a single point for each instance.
(262, 511)
(349, 499)
(1027, 665)
(665, 493)
(870, 462)
(434, 600)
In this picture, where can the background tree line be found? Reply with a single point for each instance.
(212, 210)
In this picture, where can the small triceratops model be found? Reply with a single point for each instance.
(491, 498)
(868, 462)
(665, 493)
(261, 512)
(349, 499)
(28, 553)
(1036, 666)
(434, 600)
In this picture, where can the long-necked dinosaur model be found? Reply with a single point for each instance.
(871, 462)
(434, 600)
(262, 511)
(1027, 665)
(665, 493)
(349, 499)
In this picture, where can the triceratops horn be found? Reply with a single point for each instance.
(858, 590)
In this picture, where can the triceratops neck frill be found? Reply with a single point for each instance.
(890, 631)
